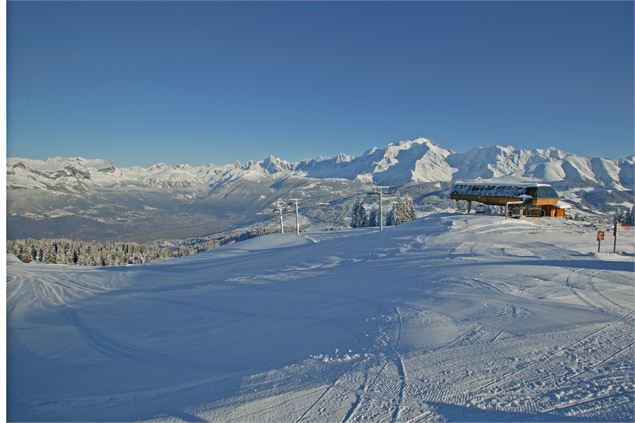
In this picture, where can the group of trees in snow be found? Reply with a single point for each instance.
(403, 210)
(93, 253)
(359, 218)
(625, 216)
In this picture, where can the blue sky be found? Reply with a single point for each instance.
(207, 82)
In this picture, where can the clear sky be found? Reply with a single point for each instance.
(204, 82)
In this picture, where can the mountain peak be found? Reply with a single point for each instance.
(343, 158)
(423, 140)
(273, 164)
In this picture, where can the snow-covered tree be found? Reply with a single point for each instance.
(402, 211)
(358, 216)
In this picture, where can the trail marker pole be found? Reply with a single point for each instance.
(381, 210)
(281, 223)
(280, 210)
(614, 235)
(381, 204)
(297, 219)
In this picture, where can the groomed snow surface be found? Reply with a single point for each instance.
(448, 318)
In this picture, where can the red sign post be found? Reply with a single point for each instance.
(600, 238)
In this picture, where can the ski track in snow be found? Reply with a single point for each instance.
(450, 317)
(401, 369)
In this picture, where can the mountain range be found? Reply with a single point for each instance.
(95, 199)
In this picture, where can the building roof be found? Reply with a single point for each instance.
(502, 184)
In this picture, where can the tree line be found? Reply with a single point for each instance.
(95, 253)
(402, 211)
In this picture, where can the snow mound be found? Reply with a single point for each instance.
(272, 241)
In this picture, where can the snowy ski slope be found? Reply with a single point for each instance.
(448, 318)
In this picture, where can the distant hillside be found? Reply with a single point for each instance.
(95, 199)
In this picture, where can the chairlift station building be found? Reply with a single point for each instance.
(530, 199)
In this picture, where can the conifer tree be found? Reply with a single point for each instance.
(358, 216)
(390, 217)
(373, 218)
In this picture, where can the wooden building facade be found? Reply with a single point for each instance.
(519, 199)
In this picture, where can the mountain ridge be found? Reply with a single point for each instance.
(411, 161)
(94, 199)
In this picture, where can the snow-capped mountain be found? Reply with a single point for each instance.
(548, 165)
(419, 160)
(80, 197)
(274, 164)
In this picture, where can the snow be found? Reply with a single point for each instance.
(608, 172)
(269, 242)
(449, 317)
(486, 162)
(563, 205)
(548, 171)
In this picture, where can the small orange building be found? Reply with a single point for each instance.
(519, 199)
